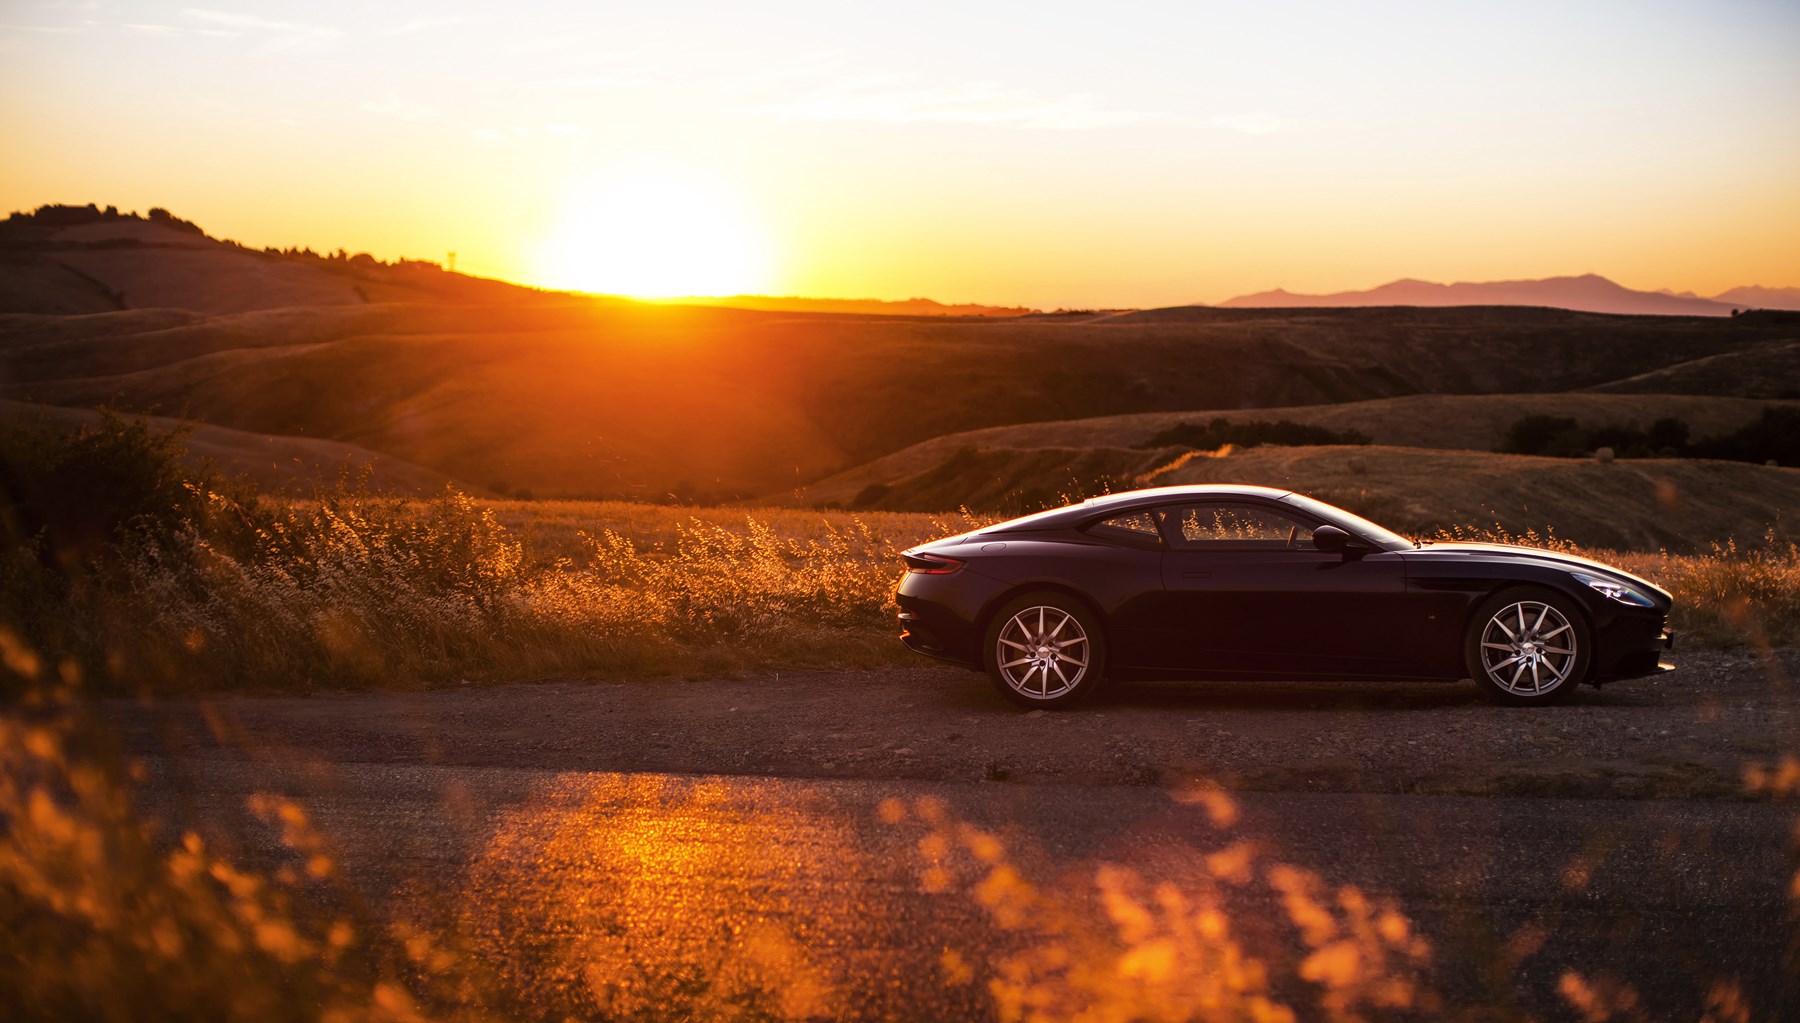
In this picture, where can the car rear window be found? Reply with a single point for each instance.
(1138, 525)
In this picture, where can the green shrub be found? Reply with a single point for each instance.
(71, 501)
(82, 491)
(1773, 437)
(1554, 436)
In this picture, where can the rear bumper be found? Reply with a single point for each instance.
(921, 639)
(940, 615)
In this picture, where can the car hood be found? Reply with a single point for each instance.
(1536, 555)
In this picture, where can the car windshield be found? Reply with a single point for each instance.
(1356, 525)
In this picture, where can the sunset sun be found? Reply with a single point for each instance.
(654, 234)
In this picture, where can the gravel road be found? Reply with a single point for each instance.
(593, 890)
(600, 842)
(1686, 734)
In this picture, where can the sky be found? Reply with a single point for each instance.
(1049, 154)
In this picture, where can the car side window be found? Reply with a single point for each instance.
(1138, 527)
(1237, 527)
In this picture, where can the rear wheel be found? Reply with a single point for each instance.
(1045, 650)
(1528, 646)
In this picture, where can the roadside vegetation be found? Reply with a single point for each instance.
(132, 572)
(105, 916)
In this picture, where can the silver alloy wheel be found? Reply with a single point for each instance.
(1045, 644)
(1528, 648)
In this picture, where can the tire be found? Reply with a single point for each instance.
(1049, 665)
(1528, 646)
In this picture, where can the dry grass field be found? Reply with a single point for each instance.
(1474, 422)
(1768, 372)
(352, 591)
(140, 572)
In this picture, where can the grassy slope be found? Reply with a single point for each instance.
(635, 401)
(29, 284)
(1475, 422)
(275, 462)
(138, 264)
(1766, 372)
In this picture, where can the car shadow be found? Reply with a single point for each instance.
(1287, 697)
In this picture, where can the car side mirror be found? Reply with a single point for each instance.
(1331, 539)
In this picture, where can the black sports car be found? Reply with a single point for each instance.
(1230, 582)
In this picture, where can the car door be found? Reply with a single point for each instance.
(1129, 587)
(1246, 593)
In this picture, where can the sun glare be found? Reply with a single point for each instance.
(655, 234)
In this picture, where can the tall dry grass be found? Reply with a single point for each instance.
(1173, 945)
(352, 590)
(356, 589)
(143, 574)
(105, 916)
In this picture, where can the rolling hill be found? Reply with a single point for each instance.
(577, 396)
(1027, 456)
(1771, 371)
(74, 260)
(275, 463)
(81, 259)
(645, 401)
(1681, 504)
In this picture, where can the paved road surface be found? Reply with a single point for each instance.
(657, 885)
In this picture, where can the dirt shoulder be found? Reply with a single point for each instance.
(1688, 734)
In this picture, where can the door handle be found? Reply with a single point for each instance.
(1196, 575)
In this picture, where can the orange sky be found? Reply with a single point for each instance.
(1046, 155)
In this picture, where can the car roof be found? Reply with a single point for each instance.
(1058, 518)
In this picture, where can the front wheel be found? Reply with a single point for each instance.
(1528, 646)
(1045, 650)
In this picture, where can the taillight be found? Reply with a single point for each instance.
(930, 564)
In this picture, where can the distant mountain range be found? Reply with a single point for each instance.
(1587, 293)
(1756, 297)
